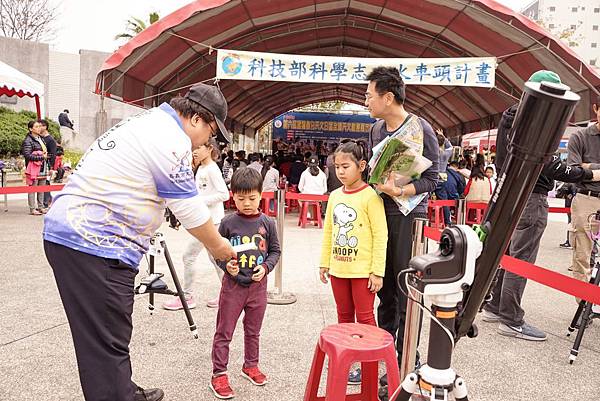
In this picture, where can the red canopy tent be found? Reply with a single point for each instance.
(15, 83)
(172, 54)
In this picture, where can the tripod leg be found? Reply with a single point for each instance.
(151, 295)
(573, 324)
(406, 389)
(180, 293)
(460, 389)
(583, 325)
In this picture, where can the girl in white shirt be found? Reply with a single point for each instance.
(213, 191)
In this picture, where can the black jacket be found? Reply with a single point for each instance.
(554, 169)
(64, 120)
(51, 148)
(30, 145)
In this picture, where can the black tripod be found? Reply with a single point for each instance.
(152, 284)
(583, 317)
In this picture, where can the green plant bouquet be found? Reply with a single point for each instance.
(399, 158)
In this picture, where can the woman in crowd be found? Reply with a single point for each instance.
(36, 166)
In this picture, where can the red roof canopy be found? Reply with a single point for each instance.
(171, 54)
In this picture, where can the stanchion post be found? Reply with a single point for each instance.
(461, 211)
(413, 312)
(277, 296)
(3, 182)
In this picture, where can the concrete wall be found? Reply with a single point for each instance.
(30, 58)
(90, 64)
(63, 92)
(69, 81)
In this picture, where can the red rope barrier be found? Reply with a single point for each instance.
(29, 189)
(306, 197)
(549, 278)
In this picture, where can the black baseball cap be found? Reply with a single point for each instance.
(211, 98)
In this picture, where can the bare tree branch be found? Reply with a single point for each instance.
(27, 19)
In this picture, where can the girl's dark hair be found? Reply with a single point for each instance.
(30, 124)
(246, 180)
(477, 172)
(479, 160)
(235, 164)
(266, 166)
(356, 149)
(215, 153)
(43, 122)
(187, 109)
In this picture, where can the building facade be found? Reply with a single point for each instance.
(575, 22)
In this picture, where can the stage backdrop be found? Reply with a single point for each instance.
(321, 126)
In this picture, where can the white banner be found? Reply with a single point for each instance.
(468, 71)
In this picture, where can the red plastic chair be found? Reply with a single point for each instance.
(292, 205)
(435, 215)
(315, 217)
(345, 344)
(264, 204)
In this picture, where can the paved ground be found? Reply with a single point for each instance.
(37, 360)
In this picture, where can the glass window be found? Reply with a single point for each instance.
(552, 8)
(574, 9)
(594, 45)
(594, 27)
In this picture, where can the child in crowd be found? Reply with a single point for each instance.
(354, 241)
(214, 192)
(245, 283)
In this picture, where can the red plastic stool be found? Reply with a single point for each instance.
(344, 344)
(266, 209)
(315, 218)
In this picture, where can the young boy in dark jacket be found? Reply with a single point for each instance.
(244, 286)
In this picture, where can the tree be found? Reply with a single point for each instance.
(27, 19)
(136, 25)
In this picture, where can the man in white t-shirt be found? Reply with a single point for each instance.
(100, 225)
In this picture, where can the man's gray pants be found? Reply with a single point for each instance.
(524, 245)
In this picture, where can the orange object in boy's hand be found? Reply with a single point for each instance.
(324, 274)
(232, 267)
(259, 273)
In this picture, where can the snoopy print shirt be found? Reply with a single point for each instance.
(355, 234)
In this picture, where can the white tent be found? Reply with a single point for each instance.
(14, 83)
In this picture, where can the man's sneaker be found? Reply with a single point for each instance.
(490, 317)
(254, 375)
(213, 303)
(566, 245)
(355, 377)
(175, 303)
(525, 332)
(220, 387)
(149, 394)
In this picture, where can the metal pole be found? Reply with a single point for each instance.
(277, 296)
(3, 185)
(461, 211)
(413, 312)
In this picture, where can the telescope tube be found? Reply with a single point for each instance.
(544, 111)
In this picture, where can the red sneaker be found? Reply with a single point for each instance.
(254, 375)
(220, 387)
